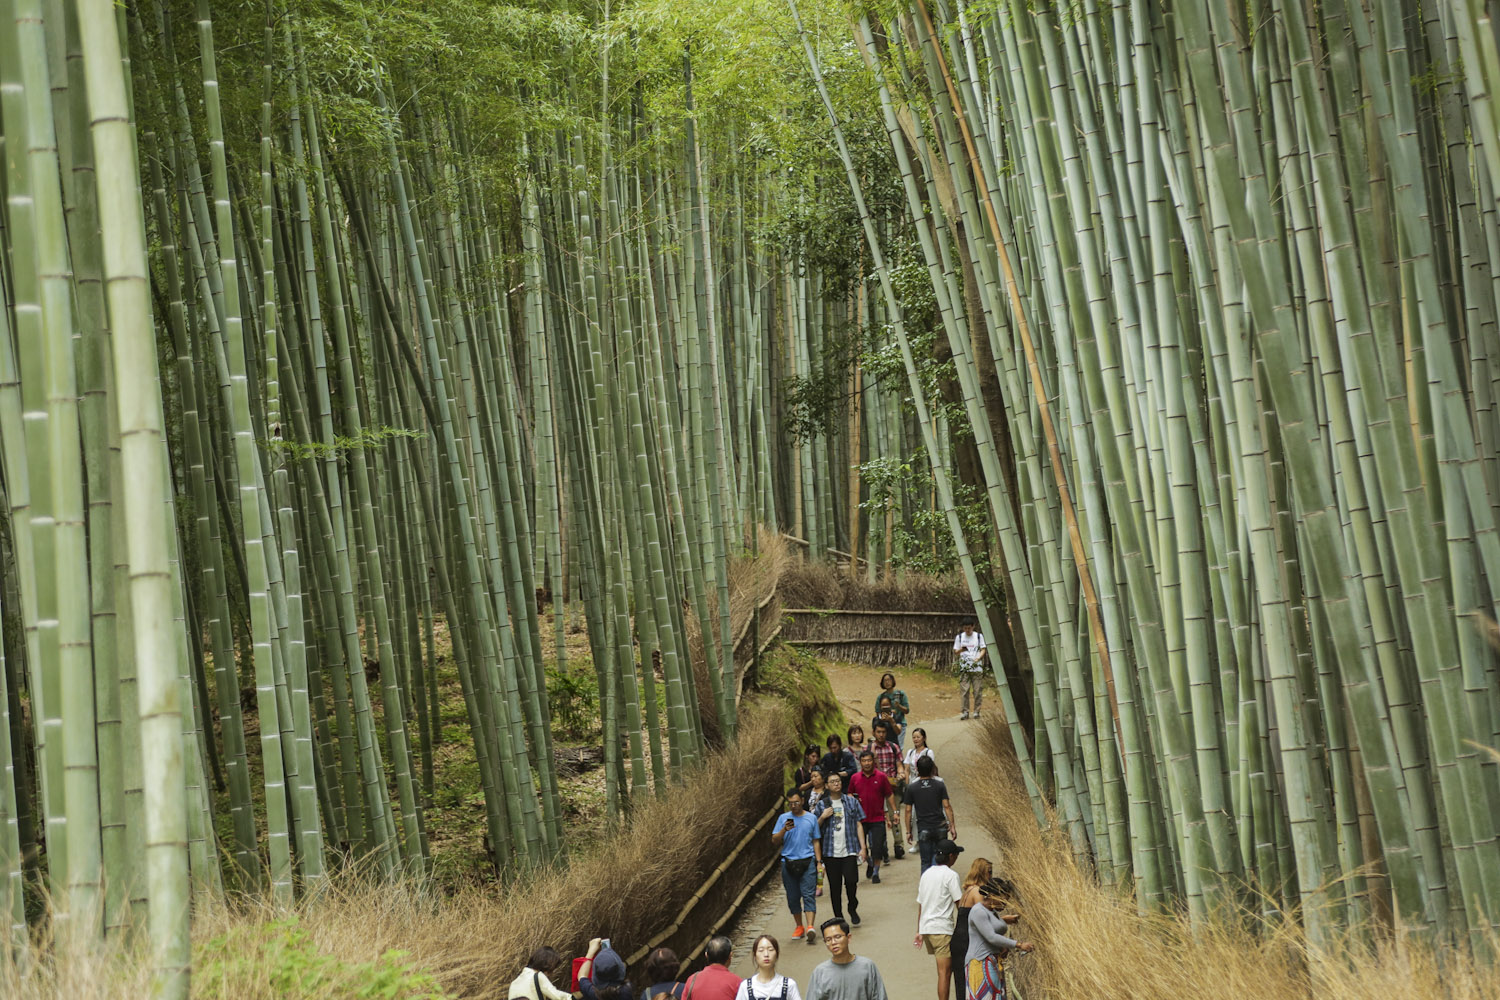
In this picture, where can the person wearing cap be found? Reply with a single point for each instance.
(989, 943)
(602, 974)
(970, 647)
(715, 981)
(938, 893)
(845, 976)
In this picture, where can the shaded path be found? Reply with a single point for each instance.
(888, 910)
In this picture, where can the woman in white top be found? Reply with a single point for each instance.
(766, 984)
(533, 982)
(919, 749)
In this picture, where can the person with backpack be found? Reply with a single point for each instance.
(534, 982)
(766, 984)
(662, 967)
(970, 647)
(715, 981)
(795, 834)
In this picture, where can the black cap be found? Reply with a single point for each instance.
(947, 847)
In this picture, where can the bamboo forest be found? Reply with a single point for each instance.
(365, 358)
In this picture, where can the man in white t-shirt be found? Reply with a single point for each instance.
(938, 894)
(970, 647)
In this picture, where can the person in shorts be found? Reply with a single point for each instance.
(938, 894)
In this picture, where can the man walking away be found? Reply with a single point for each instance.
(843, 847)
(838, 760)
(938, 894)
(845, 976)
(795, 833)
(874, 792)
(715, 982)
(934, 812)
(970, 647)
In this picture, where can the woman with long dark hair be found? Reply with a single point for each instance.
(767, 983)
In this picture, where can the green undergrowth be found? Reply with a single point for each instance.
(281, 959)
(796, 676)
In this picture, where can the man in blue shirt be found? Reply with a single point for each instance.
(796, 834)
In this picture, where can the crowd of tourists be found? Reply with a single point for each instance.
(856, 802)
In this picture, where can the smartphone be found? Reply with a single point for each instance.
(606, 942)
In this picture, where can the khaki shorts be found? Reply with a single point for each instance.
(937, 944)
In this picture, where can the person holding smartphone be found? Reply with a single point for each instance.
(795, 833)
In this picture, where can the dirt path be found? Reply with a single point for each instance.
(888, 910)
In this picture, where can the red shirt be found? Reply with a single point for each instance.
(715, 982)
(871, 790)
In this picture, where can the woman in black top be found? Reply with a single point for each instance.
(980, 872)
(810, 759)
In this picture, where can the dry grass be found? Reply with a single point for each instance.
(1092, 943)
(751, 581)
(475, 941)
(820, 585)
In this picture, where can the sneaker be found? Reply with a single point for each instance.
(811, 936)
(976, 715)
(799, 931)
(875, 879)
(964, 716)
(900, 852)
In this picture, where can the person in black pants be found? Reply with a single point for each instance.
(843, 846)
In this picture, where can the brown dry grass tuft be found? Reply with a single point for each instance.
(821, 585)
(475, 941)
(1092, 943)
(751, 581)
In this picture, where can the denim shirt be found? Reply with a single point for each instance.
(853, 814)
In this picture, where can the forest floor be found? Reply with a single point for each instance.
(887, 911)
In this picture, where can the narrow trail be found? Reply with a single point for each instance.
(888, 911)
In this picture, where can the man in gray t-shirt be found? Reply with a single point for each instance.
(845, 976)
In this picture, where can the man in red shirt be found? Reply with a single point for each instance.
(715, 982)
(874, 790)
